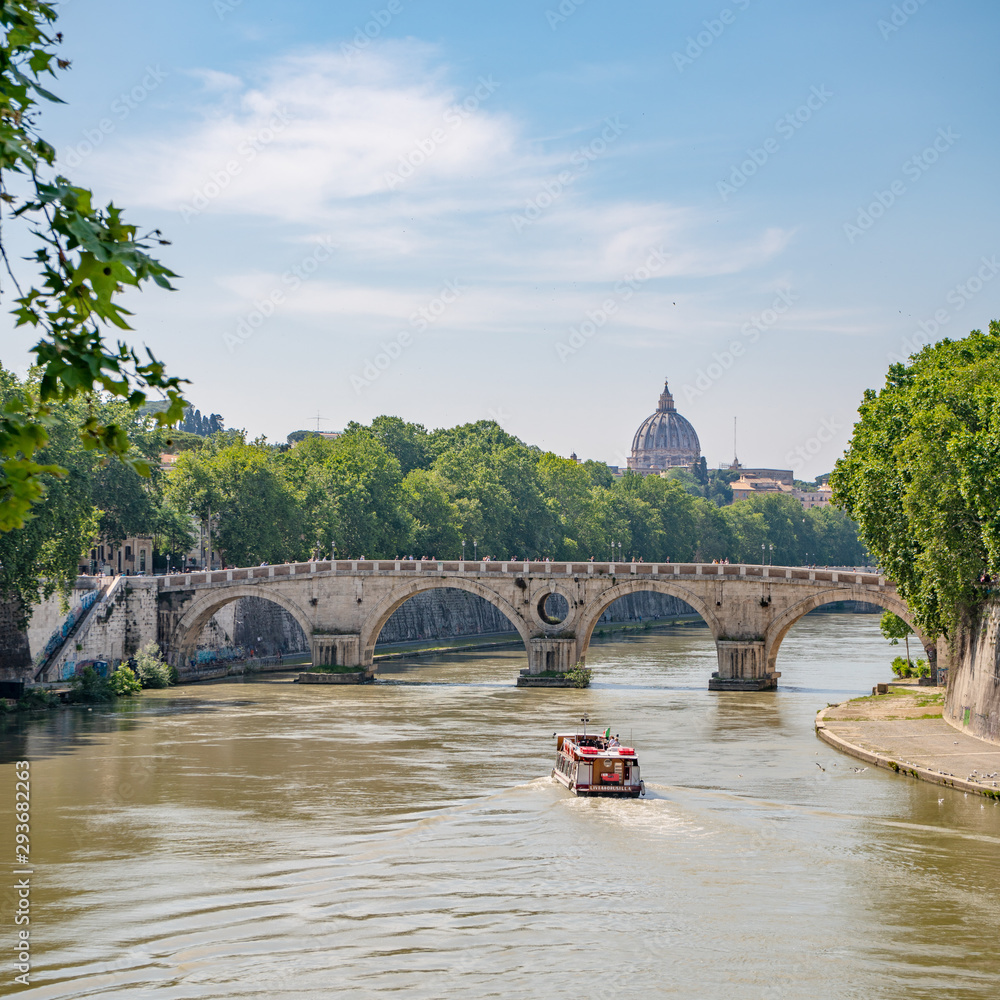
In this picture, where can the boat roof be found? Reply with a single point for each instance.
(596, 742)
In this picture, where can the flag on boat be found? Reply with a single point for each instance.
(607, 733)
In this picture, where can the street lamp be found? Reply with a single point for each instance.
(762, 548)
(619, 551)
(770, 555)
(463, 550)
(475, 550)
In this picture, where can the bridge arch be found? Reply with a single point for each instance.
(591, 614)
(196, 617)
(382, 611)
(781, 626)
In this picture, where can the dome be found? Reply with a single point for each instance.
(664, 440)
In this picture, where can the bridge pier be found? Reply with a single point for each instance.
(556, 655)
(336, 650)
(742, 667)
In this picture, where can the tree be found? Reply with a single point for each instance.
(407, 442)
(355, 492)
(435, 521)
(894, 628)
(922, 477)
(173, 534)
(236, 488)
(86, 257)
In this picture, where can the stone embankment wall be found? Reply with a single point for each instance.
(266, 628)
(259, 624)
(120, 623)
(972, 703)
(440, 614)
(48, 615)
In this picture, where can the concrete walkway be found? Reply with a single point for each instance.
(904, 732)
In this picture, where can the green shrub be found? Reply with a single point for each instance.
(579, 675)
(923, 669)
(123, 682)
(150, 668)
(35, 699)
(903, 668)
(90, 688)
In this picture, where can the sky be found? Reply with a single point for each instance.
(535, 212)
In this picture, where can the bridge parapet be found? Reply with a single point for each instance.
(424, 568)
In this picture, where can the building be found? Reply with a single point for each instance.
(134, 555)
(664, 440)
(820, 497)
(747, 484)
(785, 476)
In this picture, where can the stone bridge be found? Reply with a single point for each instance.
(343, 606)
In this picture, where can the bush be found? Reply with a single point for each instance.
(35, 699)
(123, 682)
(579, 675)
(150, 668)
(89, 687)
(907, 668)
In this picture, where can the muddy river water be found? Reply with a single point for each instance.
(263, 838)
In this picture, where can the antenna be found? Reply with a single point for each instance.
(318, 418)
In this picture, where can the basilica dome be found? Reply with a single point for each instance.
(664, 440)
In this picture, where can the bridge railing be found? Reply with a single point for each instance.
(406, 567)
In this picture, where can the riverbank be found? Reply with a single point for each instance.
(904, 731)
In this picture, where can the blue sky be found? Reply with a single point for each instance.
(536, 211)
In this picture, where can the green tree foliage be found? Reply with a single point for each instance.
(894, 628)
(922, 477)
(435, 524)
(150, 669)
(44, 555)
(86, 257)
(237, 489)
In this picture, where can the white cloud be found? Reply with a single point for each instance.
(383, 150)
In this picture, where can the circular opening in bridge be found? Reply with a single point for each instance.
(553, 608)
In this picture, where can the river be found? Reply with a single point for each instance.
(262, 838)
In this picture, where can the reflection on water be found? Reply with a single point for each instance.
(266, 838)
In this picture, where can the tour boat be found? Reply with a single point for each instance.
(596, 765)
